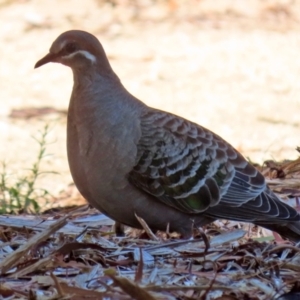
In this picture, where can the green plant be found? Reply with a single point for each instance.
(21, 194)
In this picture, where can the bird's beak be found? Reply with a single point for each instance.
(50, 57)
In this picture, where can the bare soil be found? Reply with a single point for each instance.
(232, 67)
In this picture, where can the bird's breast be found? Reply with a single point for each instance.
(101, 151)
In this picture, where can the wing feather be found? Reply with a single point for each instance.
(190, 168)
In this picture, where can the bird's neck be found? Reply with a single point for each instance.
(103, 97)
(86, 77)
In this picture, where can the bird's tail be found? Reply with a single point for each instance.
(290, 230)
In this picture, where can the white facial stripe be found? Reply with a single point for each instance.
(86, 54)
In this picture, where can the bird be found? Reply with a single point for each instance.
(128, 159)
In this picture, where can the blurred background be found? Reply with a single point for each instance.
(231, 66)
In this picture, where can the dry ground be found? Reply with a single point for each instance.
(232, 66)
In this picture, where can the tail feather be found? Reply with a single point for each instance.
(289, 230)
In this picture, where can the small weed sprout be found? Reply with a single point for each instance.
(23, 195)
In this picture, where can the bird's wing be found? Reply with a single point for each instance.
(192, 169)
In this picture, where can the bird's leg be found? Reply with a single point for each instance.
(119, 229)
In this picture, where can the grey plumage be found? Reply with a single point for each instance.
(127, 158)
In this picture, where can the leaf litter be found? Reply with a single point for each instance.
(76, 255)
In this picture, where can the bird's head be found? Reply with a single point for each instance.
(76, 49)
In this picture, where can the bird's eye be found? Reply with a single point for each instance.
(70, 48)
